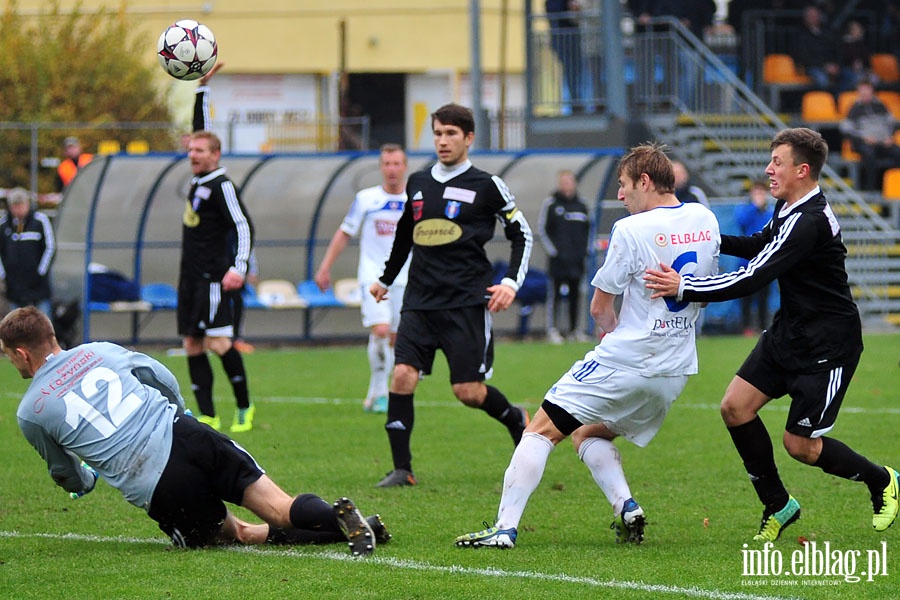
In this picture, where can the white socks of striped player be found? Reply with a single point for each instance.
(605, 463)
(381, 361)
(524, 473)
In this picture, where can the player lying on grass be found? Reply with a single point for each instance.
(101, 409)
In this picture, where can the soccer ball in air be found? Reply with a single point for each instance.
(187, 50)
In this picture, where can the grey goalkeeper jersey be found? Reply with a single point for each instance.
(108, 406)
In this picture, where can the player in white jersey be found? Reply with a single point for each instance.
(373, 217)
(99, 410)
(626, 384)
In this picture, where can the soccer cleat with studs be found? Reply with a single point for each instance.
(213, 422)
(629, 524)
(360, 537)
(382, 535)
(773, 523)
(490, 537)
(887, 505)
(243, 419)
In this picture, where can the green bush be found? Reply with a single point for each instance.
(73, 67)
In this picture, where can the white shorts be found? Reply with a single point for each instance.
(386, 311)
(630, 405)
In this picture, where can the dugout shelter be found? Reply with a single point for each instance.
(125, 213)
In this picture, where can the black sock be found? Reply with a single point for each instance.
(497, 406)
(201, 375)
(297, 537)
(233, 363)
(840, 460)
(399, 426)
(311, 513)
(755, 448)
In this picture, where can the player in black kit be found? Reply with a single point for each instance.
(449, 217)
(209, 277)
(813, 347)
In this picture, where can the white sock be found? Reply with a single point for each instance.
(378, 366)
(605, 464)
(383, 384)
(526, 467)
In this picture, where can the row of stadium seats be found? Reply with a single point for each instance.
(267, 294)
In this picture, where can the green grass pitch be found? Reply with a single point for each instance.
(312, 436)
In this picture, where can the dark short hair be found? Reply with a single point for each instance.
(457, 115)
(26, 327)
(807, 146)
(649, 158)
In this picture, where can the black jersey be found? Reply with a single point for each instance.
(449, 217)
(564, 227)
(818, 322)
(213, 211)
(26, 251)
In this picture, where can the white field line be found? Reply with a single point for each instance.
(781, 405)
(639, 586)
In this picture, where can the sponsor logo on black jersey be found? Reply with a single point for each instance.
(436, 232)
(190, 217)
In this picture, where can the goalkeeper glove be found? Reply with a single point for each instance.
(77, 495)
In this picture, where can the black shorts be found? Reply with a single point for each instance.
(816, 394)
(204, 308)
(205, 470)
(464, 335)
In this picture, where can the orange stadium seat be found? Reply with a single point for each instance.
(845, 101)
(891, 101)
(819, 107)
(890, 188)
(886, 67)
(847, 152)
(780, 68)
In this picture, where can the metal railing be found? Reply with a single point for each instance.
(41, 142)
(696, 103)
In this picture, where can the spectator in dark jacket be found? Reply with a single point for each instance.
(26, 252)
(564, 227)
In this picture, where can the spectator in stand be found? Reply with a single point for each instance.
(686, 191)
(817, 50)
(696, 15)
(751, 217)
(75, 159)
(870, 128)
(565, 39)
(855, 53)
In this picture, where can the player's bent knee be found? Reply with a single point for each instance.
(803, 449)
(471, 394)
(734, 414)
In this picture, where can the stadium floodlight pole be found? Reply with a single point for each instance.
(481, 132)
